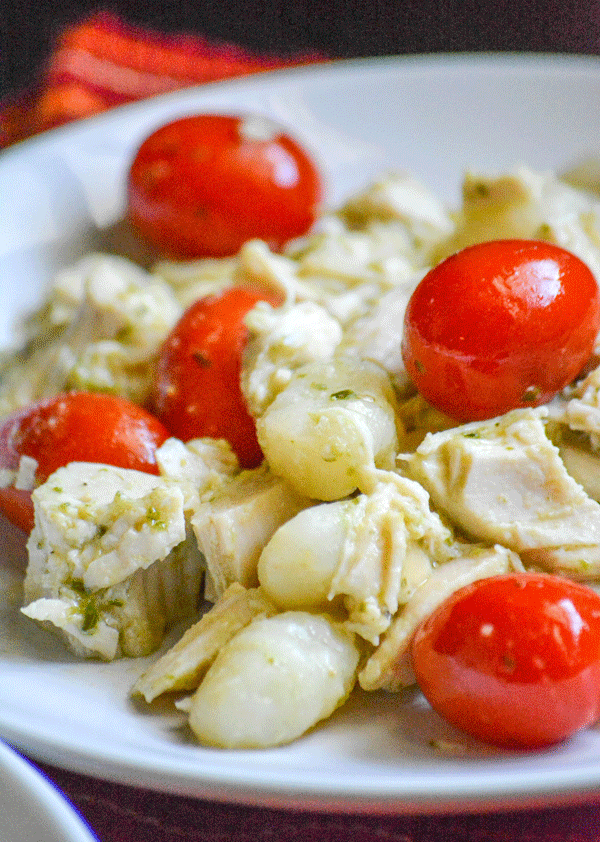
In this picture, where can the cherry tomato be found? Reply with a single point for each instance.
(513, 660)
(75, 427)
(197, 390)
(500, 325)
(204, 185)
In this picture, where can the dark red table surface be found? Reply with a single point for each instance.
(119, 813)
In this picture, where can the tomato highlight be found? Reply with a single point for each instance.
(500, 325)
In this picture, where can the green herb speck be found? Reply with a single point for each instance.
(343, 395)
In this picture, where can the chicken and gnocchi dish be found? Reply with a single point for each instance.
(362, 451)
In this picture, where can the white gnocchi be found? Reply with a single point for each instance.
(273, 681)
(328, 430)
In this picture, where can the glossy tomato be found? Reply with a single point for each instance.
(204, 185)
(500, 325)
(75, 427)
(513, 660)
(197, 390)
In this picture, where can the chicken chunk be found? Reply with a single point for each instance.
(182, 667)
(389, 667)
(99, 534)
(235, 523)
(504, 481)
(527, 205)
(100, 330)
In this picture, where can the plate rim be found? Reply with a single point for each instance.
(44, 795)
(490, 59)
(493, 792)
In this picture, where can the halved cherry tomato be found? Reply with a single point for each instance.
(513, 660)
(75, 427)
(500, 325)
(197, 389)
(204, 185)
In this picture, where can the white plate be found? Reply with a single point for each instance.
(31, 808)
(434, 117)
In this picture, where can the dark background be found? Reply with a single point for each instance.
(343, 29)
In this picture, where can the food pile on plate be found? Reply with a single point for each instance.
(304, 567)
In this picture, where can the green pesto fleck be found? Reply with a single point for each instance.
(91, 615)
(154, 518)
(480, 189)
(76, 585)
(125, 333)
(343, 395)
(544, 231)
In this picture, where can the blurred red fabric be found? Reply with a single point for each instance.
(104, 61)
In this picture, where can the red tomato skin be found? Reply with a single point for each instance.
(513, 660)
(200, 187)
(500, 325)
(16, 505)
(75, 427)
(197, 390)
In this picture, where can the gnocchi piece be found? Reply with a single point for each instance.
(331, 427)
(365, 550)
(297, 566)
(273, 681)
